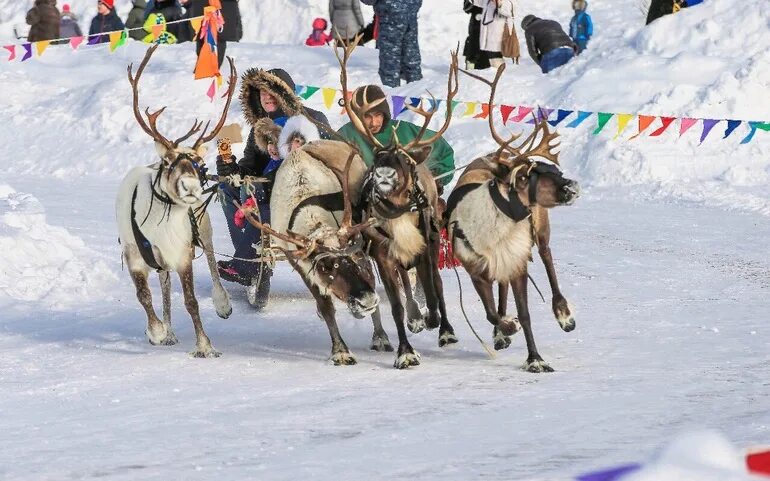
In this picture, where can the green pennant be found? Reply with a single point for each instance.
(309, 92)
(123, 37)
(764, 126)
(455, 103)
(603, 119)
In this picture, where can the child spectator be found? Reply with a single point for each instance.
(319, 37)
(135, 20)
(44, 20)
(581, 28)
(165, 37)
(104, 22)
(68, 27)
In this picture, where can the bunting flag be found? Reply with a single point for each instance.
(76, 41)
(686, 124)
(560, 116)
(94, 39)
(542, 114)
(309, 91)
(114, 39)
(455, 103)
(470, 109)
(156, 31)
(484, 112)
(523, 112)
(667, 121)
(328, 94)
(434, 104)
(398, 105)
(604, 118)
(623, 121)
(211, 93)
(708, 124)
(415, 102)
(581, 117)
(27, 52)
(731, 126)
(505, 111)
(196, 24)
(298, 90)
(123, 38)
(41, 46)
(644, 123)
(754, 126)
(12, 51)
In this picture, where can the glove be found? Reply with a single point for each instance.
(226, 168)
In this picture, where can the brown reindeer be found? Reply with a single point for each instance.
(161, 218)
(400, 194)
(494, 214)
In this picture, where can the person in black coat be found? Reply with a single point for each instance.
(104, 22)
(548, 43)
(475, 58)
(233, 29)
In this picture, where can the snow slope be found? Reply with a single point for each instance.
(664, 258)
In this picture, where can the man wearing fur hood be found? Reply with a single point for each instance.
(269, 102)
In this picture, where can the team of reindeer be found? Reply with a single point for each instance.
(389, 213)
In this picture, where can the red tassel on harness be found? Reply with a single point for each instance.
(240, 217)
(446, 257)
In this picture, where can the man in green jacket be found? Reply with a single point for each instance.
(379, 121)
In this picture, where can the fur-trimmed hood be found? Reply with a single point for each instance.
(275, 81)
(266, 132)
(298, 125)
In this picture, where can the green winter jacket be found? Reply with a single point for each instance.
(442, 156)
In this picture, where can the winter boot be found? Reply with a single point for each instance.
(258, 292)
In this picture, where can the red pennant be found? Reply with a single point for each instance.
(484, 112)
(759, 462)
(506, 111)
(667, 121)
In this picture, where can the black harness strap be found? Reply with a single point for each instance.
(456, 196)
(330, 202)
(512, 208)
(145, 248)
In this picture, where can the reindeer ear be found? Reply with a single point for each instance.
(421, 155)
(202, 151)
(162, 151)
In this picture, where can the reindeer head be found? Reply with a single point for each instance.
(181, 172)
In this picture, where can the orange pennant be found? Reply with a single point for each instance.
(644, 123)
(157, 30)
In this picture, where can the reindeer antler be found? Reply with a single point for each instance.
(231, 82)
(544, 148)
(151, 129)
(453, 86)
(305, 245)
(347, 230)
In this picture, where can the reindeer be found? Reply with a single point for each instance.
(161, 218)
(312, 224)
(492, 216)
(400, 193)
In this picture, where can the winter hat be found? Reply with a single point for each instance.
(528, 20)
(373, 93)
(297, 126)
(320, 24)
(108, 3)
(65, 8)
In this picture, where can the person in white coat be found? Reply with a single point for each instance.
(346, 18)
(496, 14)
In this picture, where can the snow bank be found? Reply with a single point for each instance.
(43, 263)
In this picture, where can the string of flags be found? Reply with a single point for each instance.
(118, 38)
(645, 124)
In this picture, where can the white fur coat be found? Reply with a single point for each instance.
(493, 21)
(298, 124)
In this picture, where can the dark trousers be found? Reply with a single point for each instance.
(246, 237)
(556, 58)
(221, 48)
(399, 51)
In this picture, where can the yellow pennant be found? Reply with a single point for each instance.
(41, 46)
(196, 24)
(623, 120)
(470, 108)
(219, 81)
(329, 95)
(114, 40)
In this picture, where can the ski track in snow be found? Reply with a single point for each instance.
(664, 258)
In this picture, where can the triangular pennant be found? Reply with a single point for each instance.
(470, 109)
(76, 41)
(708, 124)
(94, 39)
(123, 38)
(415, 102)
(644, 123)
(604, 118)
(398, 105)
(484, 112)
(667, 121)
(434, 104)
(298, 89)
(560, 116)
(523, 112)
(686, 125)
(12, 51)
(506, 111)
(114, 39)
(219, 80)
(541, 114)
(754, 126)
(455, 103)
(156, 30)
(623, 121)
(581, 117)
(212, 90)
(763, 126)
(328, 95)
(309, 91)
(27, 51)
(41, 46)
(195, 23)
(731, 126)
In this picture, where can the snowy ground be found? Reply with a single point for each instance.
(665, 259)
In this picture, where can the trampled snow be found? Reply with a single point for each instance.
(665, 258)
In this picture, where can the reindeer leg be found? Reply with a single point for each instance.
(534, 362)
(501, 341)
(415, 317)
(506, 325)
(157, 332)
(341, 355)
(219, 294)
(407, 356)
(425, 275)
(165, 289)
(202, 343)
(561, 308)
(380, 341)
(446, 331)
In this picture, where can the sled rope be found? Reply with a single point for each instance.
(490, 352)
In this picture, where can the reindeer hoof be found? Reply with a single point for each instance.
(538, 366)
(208, 353)
(563, 313)
(343, 359)
(381, 344)
(501, 341)
(447, 338)
(225, 313)
(509, 326)
(406, 360)
(415, 325)
(567, 325)
(169, 339)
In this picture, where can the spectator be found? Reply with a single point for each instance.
(371, 31)
(104, 22)
(346, 19)
(297, 131)
(397, 41)
(184, 30)
(548, 44)
(69, 27)
(136, 19)
(233, 29)
(44, 20)
(164, 37)
(265, 95)
(474, 57)
(319, 37)
(173, 11)
(581, 28)
(496, 16)
(380, 123)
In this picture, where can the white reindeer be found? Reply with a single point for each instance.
(161, 218)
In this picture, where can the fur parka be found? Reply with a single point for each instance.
(44, 20)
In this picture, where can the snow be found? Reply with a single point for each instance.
(664, 259)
